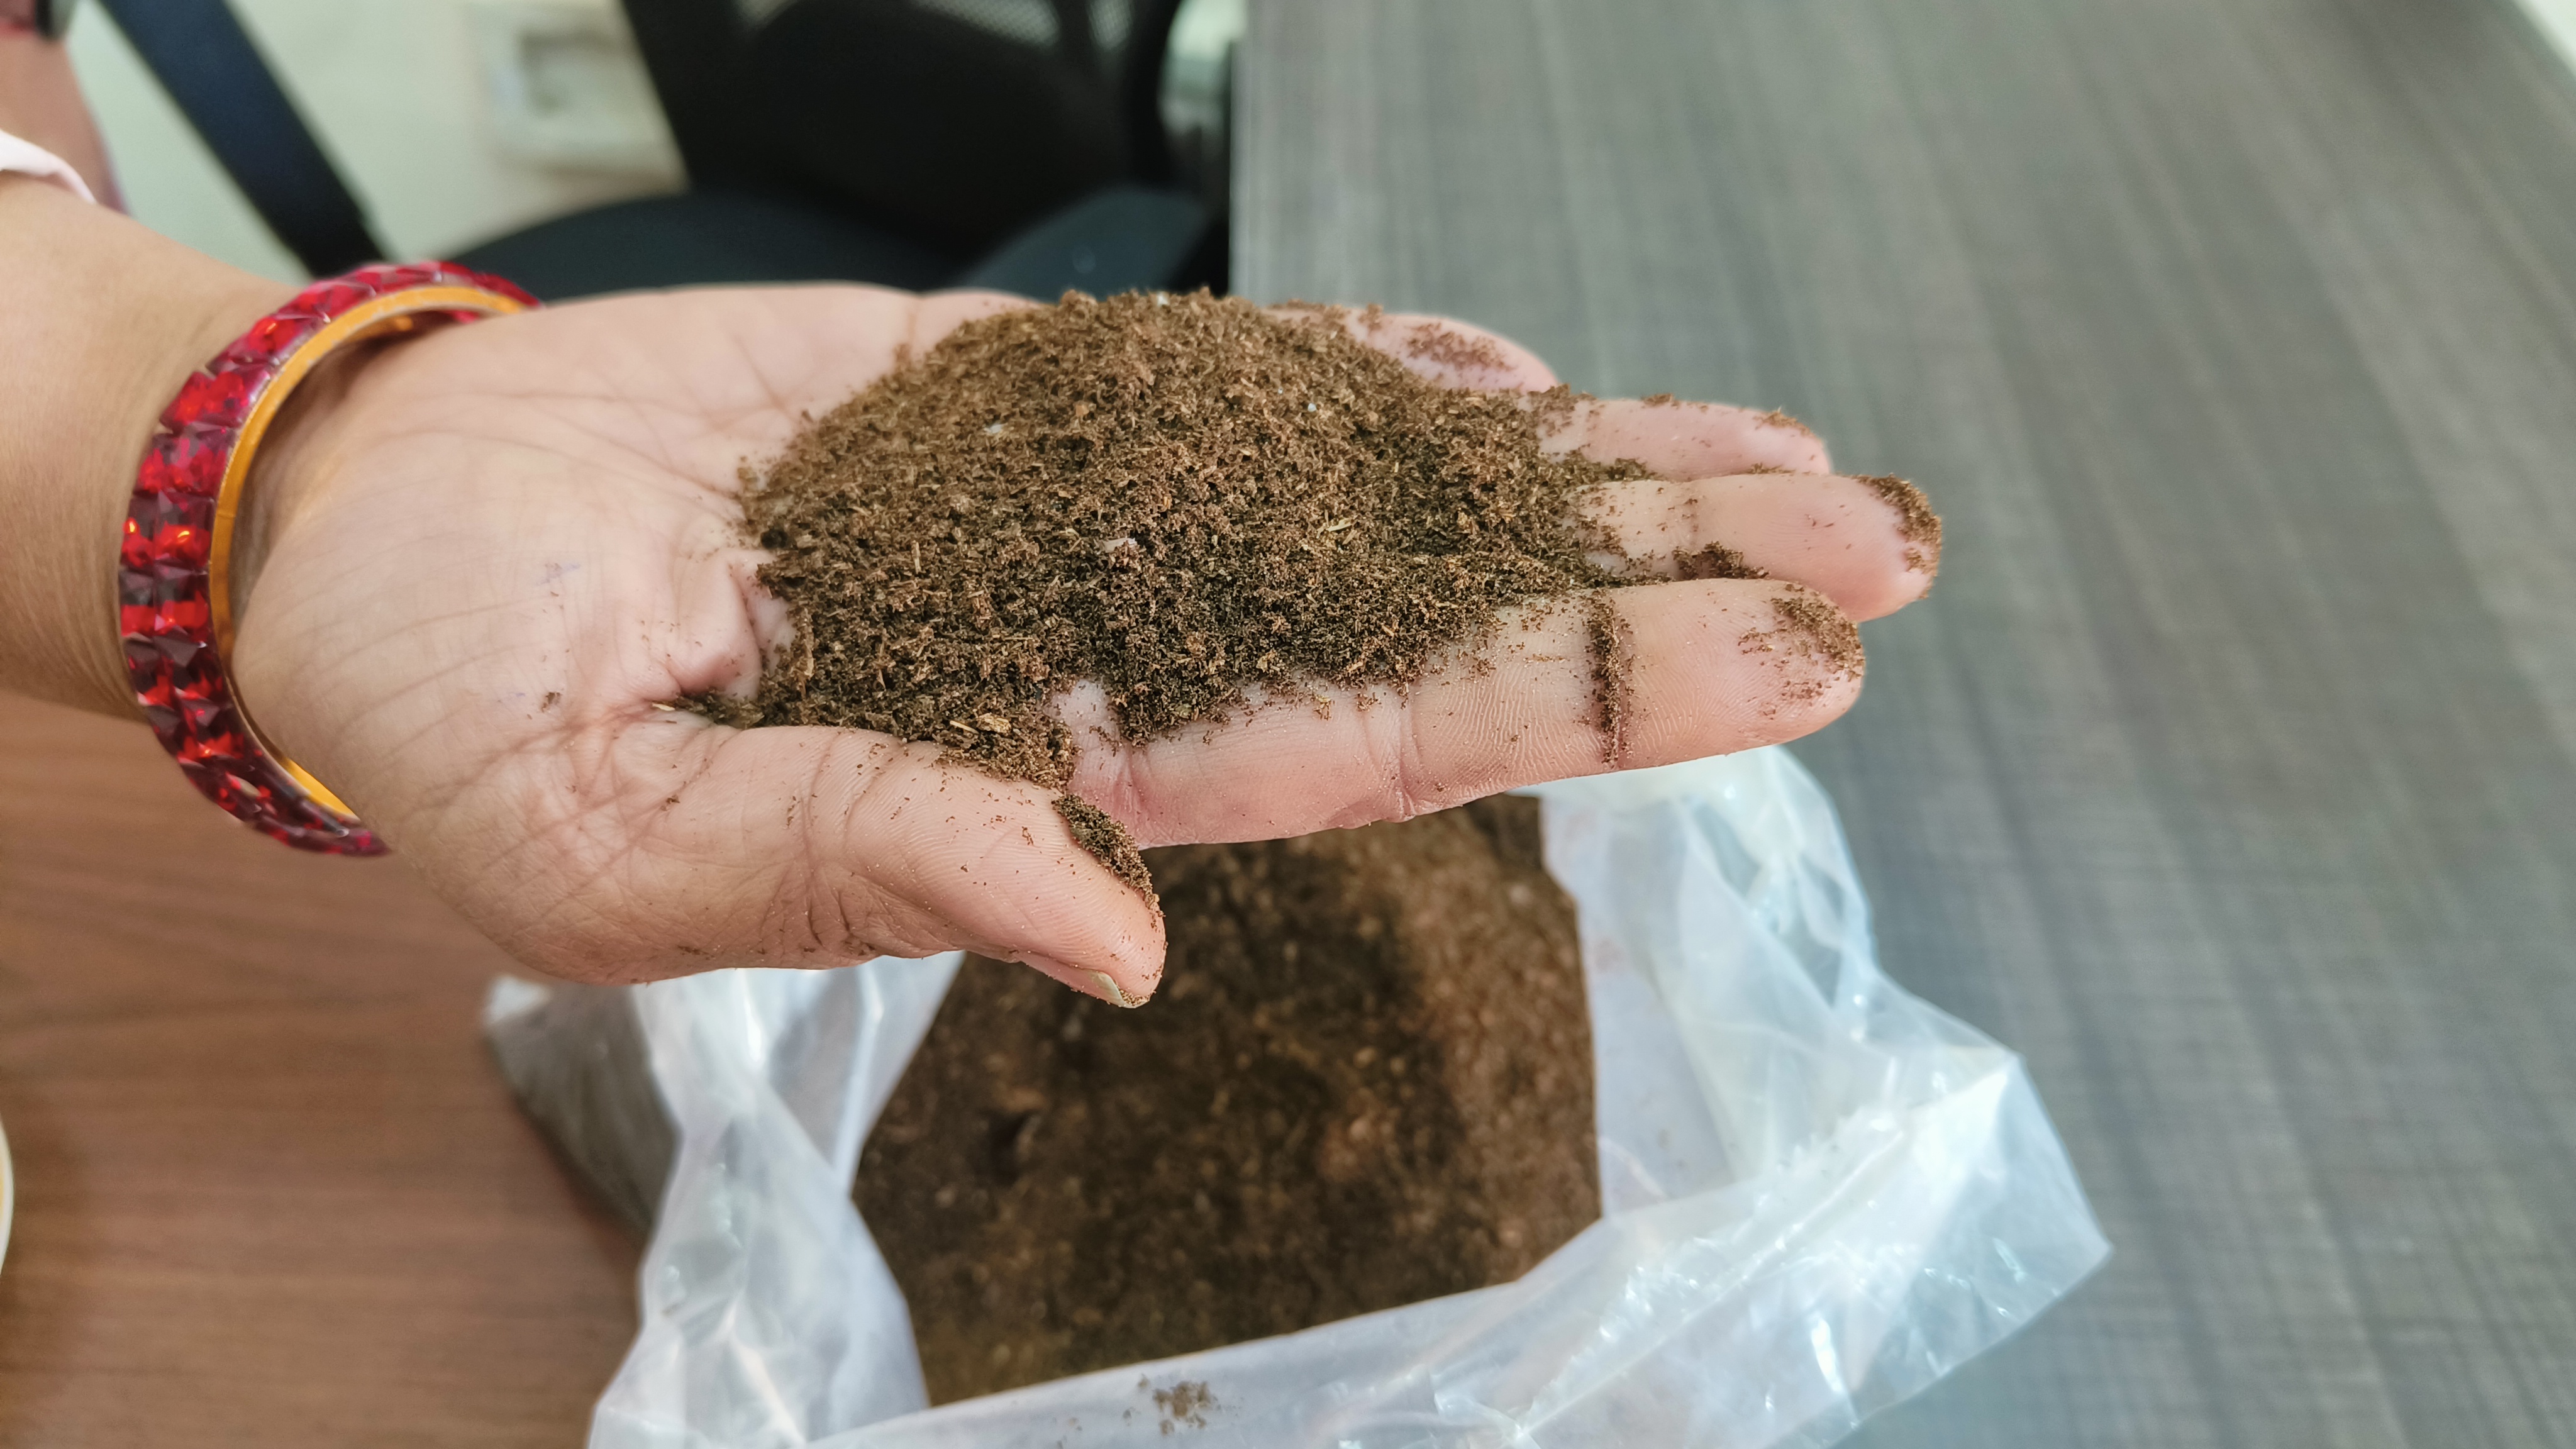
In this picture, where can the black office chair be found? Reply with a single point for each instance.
(1015, 144)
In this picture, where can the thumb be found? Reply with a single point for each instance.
(816, 847)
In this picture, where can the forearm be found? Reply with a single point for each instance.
(100, 322)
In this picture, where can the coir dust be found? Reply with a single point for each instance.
(1366, 1081)
(1186, 499)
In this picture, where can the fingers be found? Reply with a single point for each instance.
(1690, 440)
(1672, 439)
(793, 846)
(1712, 666)
(1872, 545)
(1444, 350)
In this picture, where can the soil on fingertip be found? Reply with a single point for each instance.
(1366, 1081)
(1099, 833)
(1916, 523)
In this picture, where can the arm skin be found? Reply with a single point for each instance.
(100, 322)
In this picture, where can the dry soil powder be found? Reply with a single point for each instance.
(1366, 1081)
(1186, 499)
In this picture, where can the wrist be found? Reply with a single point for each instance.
(292, 469)
(101, 321)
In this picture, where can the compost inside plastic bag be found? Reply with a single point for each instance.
(1819, 1193)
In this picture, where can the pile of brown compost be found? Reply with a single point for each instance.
(1187, 499)
(1366, 1081)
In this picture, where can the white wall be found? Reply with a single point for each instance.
(407, 107)
(2557, 20)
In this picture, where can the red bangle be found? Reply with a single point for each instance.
(174, 608)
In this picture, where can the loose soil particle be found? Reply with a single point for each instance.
(1366, 1081)
(1811, 642)
(1096, 831)
(1916, 523)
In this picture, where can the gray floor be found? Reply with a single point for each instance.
(2230, 774)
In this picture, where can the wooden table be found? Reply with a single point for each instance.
(271, 1193)
(2230, 774)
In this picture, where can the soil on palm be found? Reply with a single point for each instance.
(1189, 500)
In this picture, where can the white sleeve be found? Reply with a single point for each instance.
(29, 159)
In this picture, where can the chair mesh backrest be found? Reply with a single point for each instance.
(952, 120)
(1024, 22)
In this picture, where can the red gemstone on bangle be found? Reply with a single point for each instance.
(183, 545)
(185, 462)
(178, 648)
(183, 616)
(269, 338)
(330, 299)
(219, 400)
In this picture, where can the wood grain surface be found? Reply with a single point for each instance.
(2230, 772)
(271, 1192)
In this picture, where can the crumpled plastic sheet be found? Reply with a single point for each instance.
(1820, 1193)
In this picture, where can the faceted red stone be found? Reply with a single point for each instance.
(330, 299)
(179, 580)
(153, 695)
(207, 716)
(217, 781)
(182, 616)
(209, 749)
(155, 525)
(189, 510)
(184, 545)
(185, 462)
(178, 648)
(196, 677)
(165, 728)
(136, 548)
(219, 400)
(269, 338)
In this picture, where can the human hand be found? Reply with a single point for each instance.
(480, 563)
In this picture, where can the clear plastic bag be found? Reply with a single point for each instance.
(1820, 1193)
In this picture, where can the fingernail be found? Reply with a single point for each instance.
(1097, 984)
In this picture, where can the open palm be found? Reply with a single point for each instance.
(501, 550)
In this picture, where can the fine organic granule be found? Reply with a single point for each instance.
(1186, 499)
